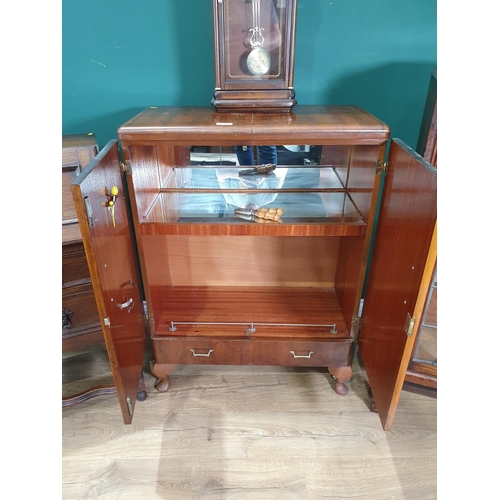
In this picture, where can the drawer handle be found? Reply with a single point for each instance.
(308, 356)
(202, 354)
(66, 322)
(127, 305)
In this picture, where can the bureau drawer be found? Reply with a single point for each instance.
(81, 311)
(197, 350)
(74, 267)
(331, 353)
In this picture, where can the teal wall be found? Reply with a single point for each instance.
(120, 56)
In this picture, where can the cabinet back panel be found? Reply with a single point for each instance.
(241, 261)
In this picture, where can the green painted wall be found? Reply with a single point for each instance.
(120, 56)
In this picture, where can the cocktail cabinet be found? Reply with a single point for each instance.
(220, 263)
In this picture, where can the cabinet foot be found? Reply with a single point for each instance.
(141, 391)
(162, 372)
(341, 375)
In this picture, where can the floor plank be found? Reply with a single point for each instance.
(247, 433)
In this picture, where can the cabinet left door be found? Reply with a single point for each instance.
(101, 205)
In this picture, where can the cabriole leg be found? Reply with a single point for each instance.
(341, 375)
(162, 372)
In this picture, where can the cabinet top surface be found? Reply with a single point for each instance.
(315, 124)
(78, 140)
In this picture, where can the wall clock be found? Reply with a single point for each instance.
(254, 55)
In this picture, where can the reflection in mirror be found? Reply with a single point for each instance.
(305, 182)
(256, 155)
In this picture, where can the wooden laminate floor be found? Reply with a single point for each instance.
(244, 433)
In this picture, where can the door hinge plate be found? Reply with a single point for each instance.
(356, 323)
(409, 324)
(381, 167)
(126, 167)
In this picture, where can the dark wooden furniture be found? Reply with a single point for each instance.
(223, 290)
(81, 326)
(427, 138)
(80, 320)
(422, 369)
(243, 83)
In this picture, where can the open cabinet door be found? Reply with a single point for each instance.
(106, 234)
(405, 235)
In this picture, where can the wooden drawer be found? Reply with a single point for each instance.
(79, 149)
(301, 353)
(83, 315)
(197, 350)
(74, 265)
(78, 302)
(77, 152)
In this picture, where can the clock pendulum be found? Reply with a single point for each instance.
(258, 61)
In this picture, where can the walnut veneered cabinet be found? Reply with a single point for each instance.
(177, 223)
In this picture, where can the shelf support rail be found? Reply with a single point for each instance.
(251, 325)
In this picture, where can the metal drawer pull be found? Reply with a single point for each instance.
(129, 304)
(205, 355)
(295, 355)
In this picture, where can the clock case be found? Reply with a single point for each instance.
(149, 245)
(239, 92)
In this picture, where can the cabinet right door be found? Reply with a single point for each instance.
(405, 236)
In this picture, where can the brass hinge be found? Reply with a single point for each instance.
(381, 167)
(356, 323)
(409, 324)
(126, 167)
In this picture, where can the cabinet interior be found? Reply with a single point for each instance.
(210, 273)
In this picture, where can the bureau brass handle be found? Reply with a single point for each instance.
(127, 305)
(201, 354)
(308, 356)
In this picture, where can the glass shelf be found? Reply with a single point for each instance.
(308, 195)
(220, 207)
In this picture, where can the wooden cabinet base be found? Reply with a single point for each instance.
(341, 375)
(162, 372)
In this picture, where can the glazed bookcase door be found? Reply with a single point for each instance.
(111, 258)
(404, 237)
